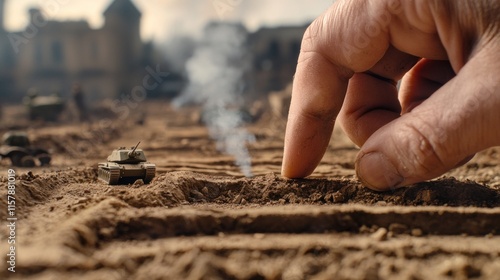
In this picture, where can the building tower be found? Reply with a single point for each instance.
(120, 11)
(122, 26)
(123, 21)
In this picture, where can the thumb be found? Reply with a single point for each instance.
(459, 119)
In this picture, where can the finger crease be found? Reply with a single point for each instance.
(376, 76)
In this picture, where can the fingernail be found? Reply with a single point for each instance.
(377, 172)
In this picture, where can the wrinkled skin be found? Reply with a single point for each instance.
(447, 53)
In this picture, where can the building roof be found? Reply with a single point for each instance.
(124, 8)
(80, 25)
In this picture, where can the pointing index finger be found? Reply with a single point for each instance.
(313, 110)
(323, 71)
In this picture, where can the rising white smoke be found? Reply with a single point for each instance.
(216, 74)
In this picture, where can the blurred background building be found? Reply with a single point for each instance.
(275, 51)
(7, 57)
(110, 60)
(53, 55)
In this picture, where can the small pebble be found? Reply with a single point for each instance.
(397, 228)
(204, 190)
(338, 197)
(364, 229)
(417, 232)
(82, 200)
(380, 234)
(138, 182)
(259, 235)
(237, 199)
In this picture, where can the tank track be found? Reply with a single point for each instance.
(110, 176)
(150, 174)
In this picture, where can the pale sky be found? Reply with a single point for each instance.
(162, 18)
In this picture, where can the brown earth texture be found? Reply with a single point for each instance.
(200, 218)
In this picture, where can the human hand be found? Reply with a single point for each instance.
(448, 106)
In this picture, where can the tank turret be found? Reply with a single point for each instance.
(125, 166)
(124, 155)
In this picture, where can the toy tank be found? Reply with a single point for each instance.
(16, 146)
(124, 166)
(47, 108)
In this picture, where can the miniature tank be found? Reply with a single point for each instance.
(17, 147)
(125, 166)
(47, 108)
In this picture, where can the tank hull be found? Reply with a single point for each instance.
(46, 112)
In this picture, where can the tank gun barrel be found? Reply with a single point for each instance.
(132, 153)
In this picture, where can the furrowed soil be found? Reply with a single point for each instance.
(200, 218)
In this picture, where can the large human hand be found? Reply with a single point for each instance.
(448, 106)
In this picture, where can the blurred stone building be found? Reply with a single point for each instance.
(53, 55)
(272, 54)
(275, 52)
(7, 58)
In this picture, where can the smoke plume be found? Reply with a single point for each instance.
(216, 74)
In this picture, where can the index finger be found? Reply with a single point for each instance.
(332, 51)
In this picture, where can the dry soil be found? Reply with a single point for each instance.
(201, 219)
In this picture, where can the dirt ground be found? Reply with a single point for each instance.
(201, 219)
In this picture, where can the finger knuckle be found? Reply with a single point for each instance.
(421, 149)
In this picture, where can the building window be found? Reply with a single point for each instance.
(57, 53)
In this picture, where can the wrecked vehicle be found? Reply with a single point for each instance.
(17, 147)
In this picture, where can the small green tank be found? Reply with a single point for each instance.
(47, 108)
(125, 166)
